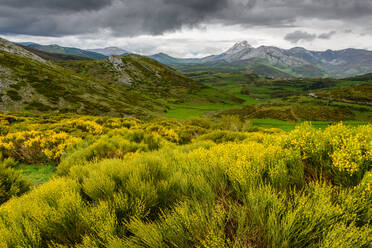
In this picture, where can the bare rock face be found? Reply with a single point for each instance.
(9, 47)
(239, 47)
(117, 62)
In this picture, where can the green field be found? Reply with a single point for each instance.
(37, 174)
(278, 103)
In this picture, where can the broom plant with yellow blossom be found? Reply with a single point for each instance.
(123, 182)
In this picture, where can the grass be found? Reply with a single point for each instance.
(187, 110)
(37, 174)
(289, 126)
(275, 100)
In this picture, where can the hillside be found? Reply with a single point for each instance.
(53, 56)
(67, 51)
(27, 82)
(360, 94)
(146, 76)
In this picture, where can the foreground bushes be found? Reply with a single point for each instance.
(126, 183)
(262, 190)
(118, 143)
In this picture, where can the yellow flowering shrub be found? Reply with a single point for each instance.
(130, 188)
(112, 123)
(222, 136)
(123, 182)
(87, 126)
(4, 127)
(166, 133)
(90, 126)
(342, 151)
(253, 163)
(35, 146)
(118, 143)
(308, 141)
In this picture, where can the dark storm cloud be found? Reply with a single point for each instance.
(327, 36)
(135, 17)
(297, 36)
(60, 5)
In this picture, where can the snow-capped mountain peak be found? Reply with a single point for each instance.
(238, 47)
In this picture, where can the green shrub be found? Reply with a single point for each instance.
(11, 181)
(231, 123)
(223, 136)
(116, 144)
(199, 122)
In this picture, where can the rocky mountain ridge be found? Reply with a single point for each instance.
(298, 61)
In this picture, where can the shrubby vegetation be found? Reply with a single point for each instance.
(166, 183)
(11, 181)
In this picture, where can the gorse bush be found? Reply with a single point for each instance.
(34, 146)
(167, 183)
(220, 136)
(84, 126)
(119, 143)
(344, 153)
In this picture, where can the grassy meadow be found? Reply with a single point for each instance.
(86, 181)
(281, 103)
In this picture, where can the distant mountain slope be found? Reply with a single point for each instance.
(295, 62)
(169, 60)
(68, 51)
(364, 77)
(108, 51)
(342, 63)
(53, 56)
(28, 82)
(146, 76)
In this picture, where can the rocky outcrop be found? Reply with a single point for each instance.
(9, 47)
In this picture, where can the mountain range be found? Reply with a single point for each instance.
(274, 61)
(267, 61)
(66, 50)
(98, 53)
(108, 51)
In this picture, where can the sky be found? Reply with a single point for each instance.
(189, 28)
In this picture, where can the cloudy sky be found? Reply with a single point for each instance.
(189, 28)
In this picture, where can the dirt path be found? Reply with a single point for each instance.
(339, 100)
(294, 114)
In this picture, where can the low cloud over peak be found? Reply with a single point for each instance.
(297, 36)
